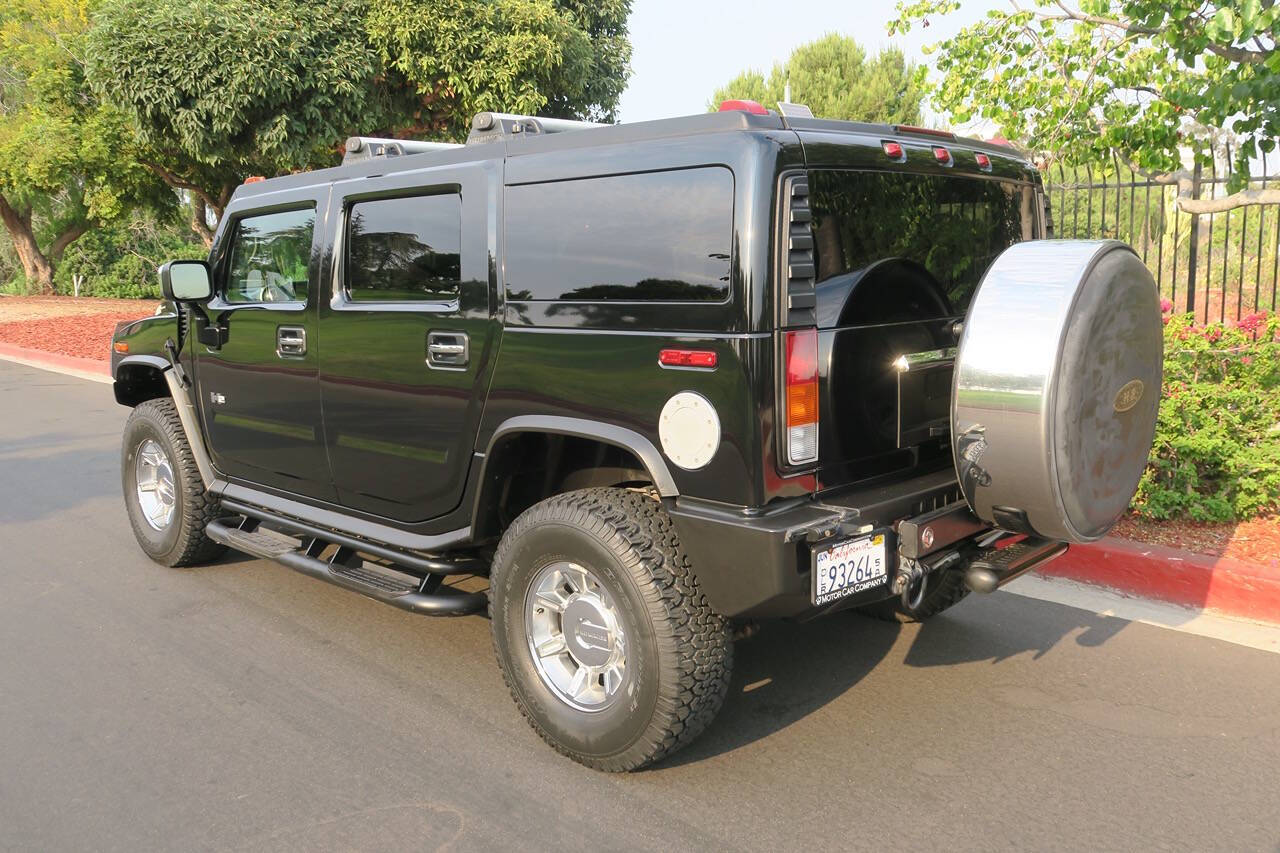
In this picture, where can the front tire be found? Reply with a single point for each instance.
(603, 635)
(163, 493)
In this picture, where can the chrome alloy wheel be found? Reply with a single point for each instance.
(153, 476)
(575, 636)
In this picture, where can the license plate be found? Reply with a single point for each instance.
(849, 567)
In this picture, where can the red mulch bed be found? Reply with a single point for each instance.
(84, 336)
(1255, 541)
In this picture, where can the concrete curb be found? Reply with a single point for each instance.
(84, 368)
(1243, 590)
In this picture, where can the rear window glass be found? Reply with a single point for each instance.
(658, 236)
(405, 249)
(953, 227)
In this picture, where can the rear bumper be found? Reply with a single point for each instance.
(755, 563)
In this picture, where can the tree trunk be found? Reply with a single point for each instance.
(36, 267)
(200, 220)
(65, 239)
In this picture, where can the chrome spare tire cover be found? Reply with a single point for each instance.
(1057, 383)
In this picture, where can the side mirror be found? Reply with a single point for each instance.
(185, 281)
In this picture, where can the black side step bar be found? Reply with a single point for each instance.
(417, 562)
(345, 569)
(1000, 565)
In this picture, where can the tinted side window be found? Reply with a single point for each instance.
(405, 249)
(270, 256)
(661, 236)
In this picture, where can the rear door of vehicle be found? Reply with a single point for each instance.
(407, 335)
(899, 245)
(258, 392)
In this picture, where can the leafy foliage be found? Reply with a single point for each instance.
(1142, 78)
(120, 259)
(221, 89)
(836, 79)
(1217, 449)
(66, 159)
(534, 57)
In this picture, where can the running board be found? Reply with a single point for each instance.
(344, 568)
(1000, 565)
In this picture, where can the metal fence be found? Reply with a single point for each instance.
(1221, 266)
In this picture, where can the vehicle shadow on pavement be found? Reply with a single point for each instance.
(970, 635)
(787, 671)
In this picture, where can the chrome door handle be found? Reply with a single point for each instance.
(291, 341)
(447, 350)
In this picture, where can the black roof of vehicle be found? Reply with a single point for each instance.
(511, 136)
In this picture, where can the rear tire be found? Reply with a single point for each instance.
(170, 528)
(943, 590)
(602, 570)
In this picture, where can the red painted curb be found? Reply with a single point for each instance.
(1220, 584)
(55, 359)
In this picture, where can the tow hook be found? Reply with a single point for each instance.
(913, 577)
(909, 571)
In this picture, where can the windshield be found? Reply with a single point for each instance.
(879, 230)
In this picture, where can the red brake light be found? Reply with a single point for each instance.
(984, 162)
(802, 396)
(687, 358)
(253, 179)
(942, 155)
(753, 107)
(893, 151)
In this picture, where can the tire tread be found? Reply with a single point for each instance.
(687, 630)
(198, 506)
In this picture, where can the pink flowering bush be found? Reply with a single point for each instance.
(1217, 448)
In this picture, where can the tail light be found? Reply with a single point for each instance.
(802, 396)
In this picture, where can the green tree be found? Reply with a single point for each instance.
(222, 89)
(834, 77)
(66, 159)
(1143, 79)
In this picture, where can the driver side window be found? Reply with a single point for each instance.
(271, 257)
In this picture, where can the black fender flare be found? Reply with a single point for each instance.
(627, 439)
(158, 362)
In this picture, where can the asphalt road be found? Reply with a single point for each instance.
(241, 706)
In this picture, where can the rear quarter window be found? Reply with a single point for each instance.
(651, 237)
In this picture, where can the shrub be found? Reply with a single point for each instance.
(120, 260)
(1217, 448)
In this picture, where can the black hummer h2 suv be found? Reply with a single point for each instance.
(653, 381)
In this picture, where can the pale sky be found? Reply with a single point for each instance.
(684, 49)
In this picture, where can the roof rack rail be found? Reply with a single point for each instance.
(360, 148)
(490, 127)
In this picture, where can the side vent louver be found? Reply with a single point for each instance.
(800, 269)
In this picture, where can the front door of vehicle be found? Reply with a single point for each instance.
(258, 391)
(406, 336)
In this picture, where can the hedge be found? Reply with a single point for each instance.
(1216, 455)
